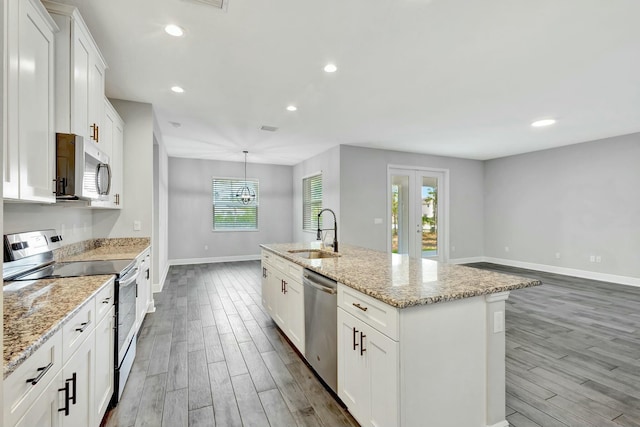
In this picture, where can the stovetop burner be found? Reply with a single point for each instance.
(80, 268)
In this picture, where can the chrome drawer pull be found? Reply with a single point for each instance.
(356, 304)
(84, 326)
(42, 373)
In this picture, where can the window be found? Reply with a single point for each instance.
(311, 202)
(228, 211)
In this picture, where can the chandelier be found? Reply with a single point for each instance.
(246, 194)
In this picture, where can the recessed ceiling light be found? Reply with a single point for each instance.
(174, 30)
(177, 89)
(542, 123)
(330, 68)
(292, 108)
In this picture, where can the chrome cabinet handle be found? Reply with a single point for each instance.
(42, 373)
(355, 304)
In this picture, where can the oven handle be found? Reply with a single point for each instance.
(130, 278)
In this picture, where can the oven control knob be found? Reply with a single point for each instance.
(19, 245)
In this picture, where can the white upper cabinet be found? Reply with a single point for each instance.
(29, 147)
(111, 140)
(80, 71)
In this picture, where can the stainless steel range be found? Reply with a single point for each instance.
(29, 256)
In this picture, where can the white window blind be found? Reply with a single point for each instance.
(311, 202)
(228, 211)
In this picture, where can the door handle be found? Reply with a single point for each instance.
(355, 344)
(83, 326)
(284, 287)
(362, 349)
(42, 373)
(65, 408)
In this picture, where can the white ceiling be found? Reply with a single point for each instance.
(458, 78)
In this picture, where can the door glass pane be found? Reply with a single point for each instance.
(429, 194)
(400, 214)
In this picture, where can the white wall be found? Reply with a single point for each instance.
(191, 210)
(363, 197)
(3, 140)
(137, 196)
(160, 237)
(73, 223)
(578, 201)
(328, 163)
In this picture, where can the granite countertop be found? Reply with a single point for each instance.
(401, 281)
(105, 250)
(35, 310)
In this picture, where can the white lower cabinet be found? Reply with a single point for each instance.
(367, 372)
(283, 296)
(77, 395)
(104, 363)
(143, 287)
(44, 412)
(68, 381)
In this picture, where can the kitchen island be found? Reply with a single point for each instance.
(420, 343)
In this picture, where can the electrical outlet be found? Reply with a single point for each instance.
(206, 247)
(377, 220)
(557, 255)
(137, 226)
(592, 258)
(453, 248)
(598, 258)
(506, 248)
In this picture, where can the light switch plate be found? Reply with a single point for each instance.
(137, 226)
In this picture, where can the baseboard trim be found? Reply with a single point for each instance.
(504, 423)
(466, 260)
(603, 277)
(157, 287)
(187, 261)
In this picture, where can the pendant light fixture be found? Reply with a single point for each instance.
(246, 194)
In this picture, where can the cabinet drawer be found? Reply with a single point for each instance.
(293, 270)
(41, 367)
(104, 300)
(374, 313)
(77, 329)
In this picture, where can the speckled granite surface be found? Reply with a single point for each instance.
(102, 249)
(35, 310)
(401, 281)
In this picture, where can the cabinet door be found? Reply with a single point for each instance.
(278, 284)
(142, 296)
(96, 99)
(117, 163)
(44, 411)
(31, 124)
(353, 373)
(294, 296)
(381, 358)
(104, 364)
(80, 86)
(268, 287)
(78, 375)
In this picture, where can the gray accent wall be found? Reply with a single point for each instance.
(363, 197)
(577, 201)
(328, 163)
(191, 210)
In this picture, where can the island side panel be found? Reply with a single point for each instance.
(496, 393)
(443, 363)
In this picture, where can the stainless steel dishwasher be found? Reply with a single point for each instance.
(321, 326)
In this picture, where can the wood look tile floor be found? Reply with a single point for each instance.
(211, 356)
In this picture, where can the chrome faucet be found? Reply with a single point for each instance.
(335, 229)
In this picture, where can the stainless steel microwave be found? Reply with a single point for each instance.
(82, 169)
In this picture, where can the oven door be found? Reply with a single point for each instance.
(126, 311)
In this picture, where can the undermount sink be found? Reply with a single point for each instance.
(314, 254)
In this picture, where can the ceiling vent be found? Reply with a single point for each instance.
(218, 4)
(268, 128)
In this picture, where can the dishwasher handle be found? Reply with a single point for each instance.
(319, 282)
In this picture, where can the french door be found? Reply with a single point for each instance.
(417, 212)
